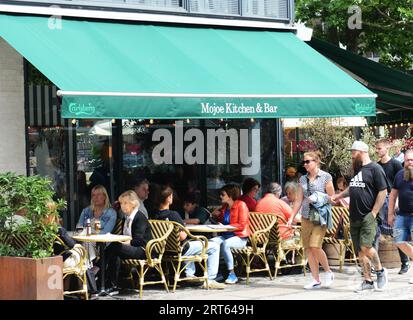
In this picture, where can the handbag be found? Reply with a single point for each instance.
(314, 215)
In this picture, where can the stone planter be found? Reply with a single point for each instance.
(31, 279)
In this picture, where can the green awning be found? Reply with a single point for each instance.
(125, 70)
(394, 88)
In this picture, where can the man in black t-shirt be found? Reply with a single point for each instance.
(367, 191)
(403, 223)
(391, 167)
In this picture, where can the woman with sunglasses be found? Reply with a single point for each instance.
(316, 181)
(234, 212)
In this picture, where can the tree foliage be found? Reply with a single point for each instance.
(334, 141)
(34, 195)
(386, 27)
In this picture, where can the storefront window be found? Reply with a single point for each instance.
(94, 158)
(47, 156)
(251, 155)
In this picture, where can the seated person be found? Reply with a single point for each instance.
(192, 212)
(99, 209)
(135, 225)
(69, 249)
(141, 188)
(250, 189)
(233, 212)
(291, 190)
(291, 174)
(18, 219)
(342, 185)
(192, 247)
(271, 203)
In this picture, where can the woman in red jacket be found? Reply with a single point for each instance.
(234, 212)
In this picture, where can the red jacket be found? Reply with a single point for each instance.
(239, 217)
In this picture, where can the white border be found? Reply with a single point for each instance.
(209, 95)
(139, 16)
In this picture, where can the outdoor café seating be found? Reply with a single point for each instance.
(174, 256)
(288, 252)
(260, 225)
(79, 270)
(340, 235)
(155, 250)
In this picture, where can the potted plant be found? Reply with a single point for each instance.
(28, 268)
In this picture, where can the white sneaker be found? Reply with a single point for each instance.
(411, 281)
(313, 285)
(328, 279)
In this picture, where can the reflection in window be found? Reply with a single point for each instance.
(47, 156)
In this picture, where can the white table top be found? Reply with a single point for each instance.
(210, 228)
(108, 237)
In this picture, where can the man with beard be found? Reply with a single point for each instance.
(390, 166)
(367, 191)
(403, 223)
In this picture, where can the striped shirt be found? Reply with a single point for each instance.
(319, 184)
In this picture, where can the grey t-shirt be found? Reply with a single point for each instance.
(319, 184)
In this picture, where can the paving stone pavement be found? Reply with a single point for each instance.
(285, 287)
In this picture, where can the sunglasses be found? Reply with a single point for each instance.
(307, 161)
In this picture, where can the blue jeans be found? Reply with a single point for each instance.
(226, 245)
(403, 229)
(195, 247)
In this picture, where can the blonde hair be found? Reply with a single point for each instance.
(103, 190)
(384, 141)
(131, 197)
(316, 155)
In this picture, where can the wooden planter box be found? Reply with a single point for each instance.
(31, 279)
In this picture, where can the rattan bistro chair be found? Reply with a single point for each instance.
(260, 225)
(174, 255)
(154, 249)
(280, 248)
(78, 271)
(341, 219)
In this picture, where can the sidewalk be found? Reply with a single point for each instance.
(286, 287)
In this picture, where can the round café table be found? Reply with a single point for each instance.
(210, 228)
(101, 240)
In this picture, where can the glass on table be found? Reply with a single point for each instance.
(79, 229)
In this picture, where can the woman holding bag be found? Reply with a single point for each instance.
(315, 182)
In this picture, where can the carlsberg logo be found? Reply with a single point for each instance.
(81, 108)
(242, 144)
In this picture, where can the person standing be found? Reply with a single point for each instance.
(367, 191)
(403, 221)
(316, 181)
(398, 154)
(390, 166)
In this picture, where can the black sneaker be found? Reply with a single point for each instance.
(405, 267)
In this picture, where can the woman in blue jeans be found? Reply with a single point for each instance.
(235, 213)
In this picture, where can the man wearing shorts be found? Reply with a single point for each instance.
(367, 191)
(403, 223)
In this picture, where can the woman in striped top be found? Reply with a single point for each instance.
(312, 235)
